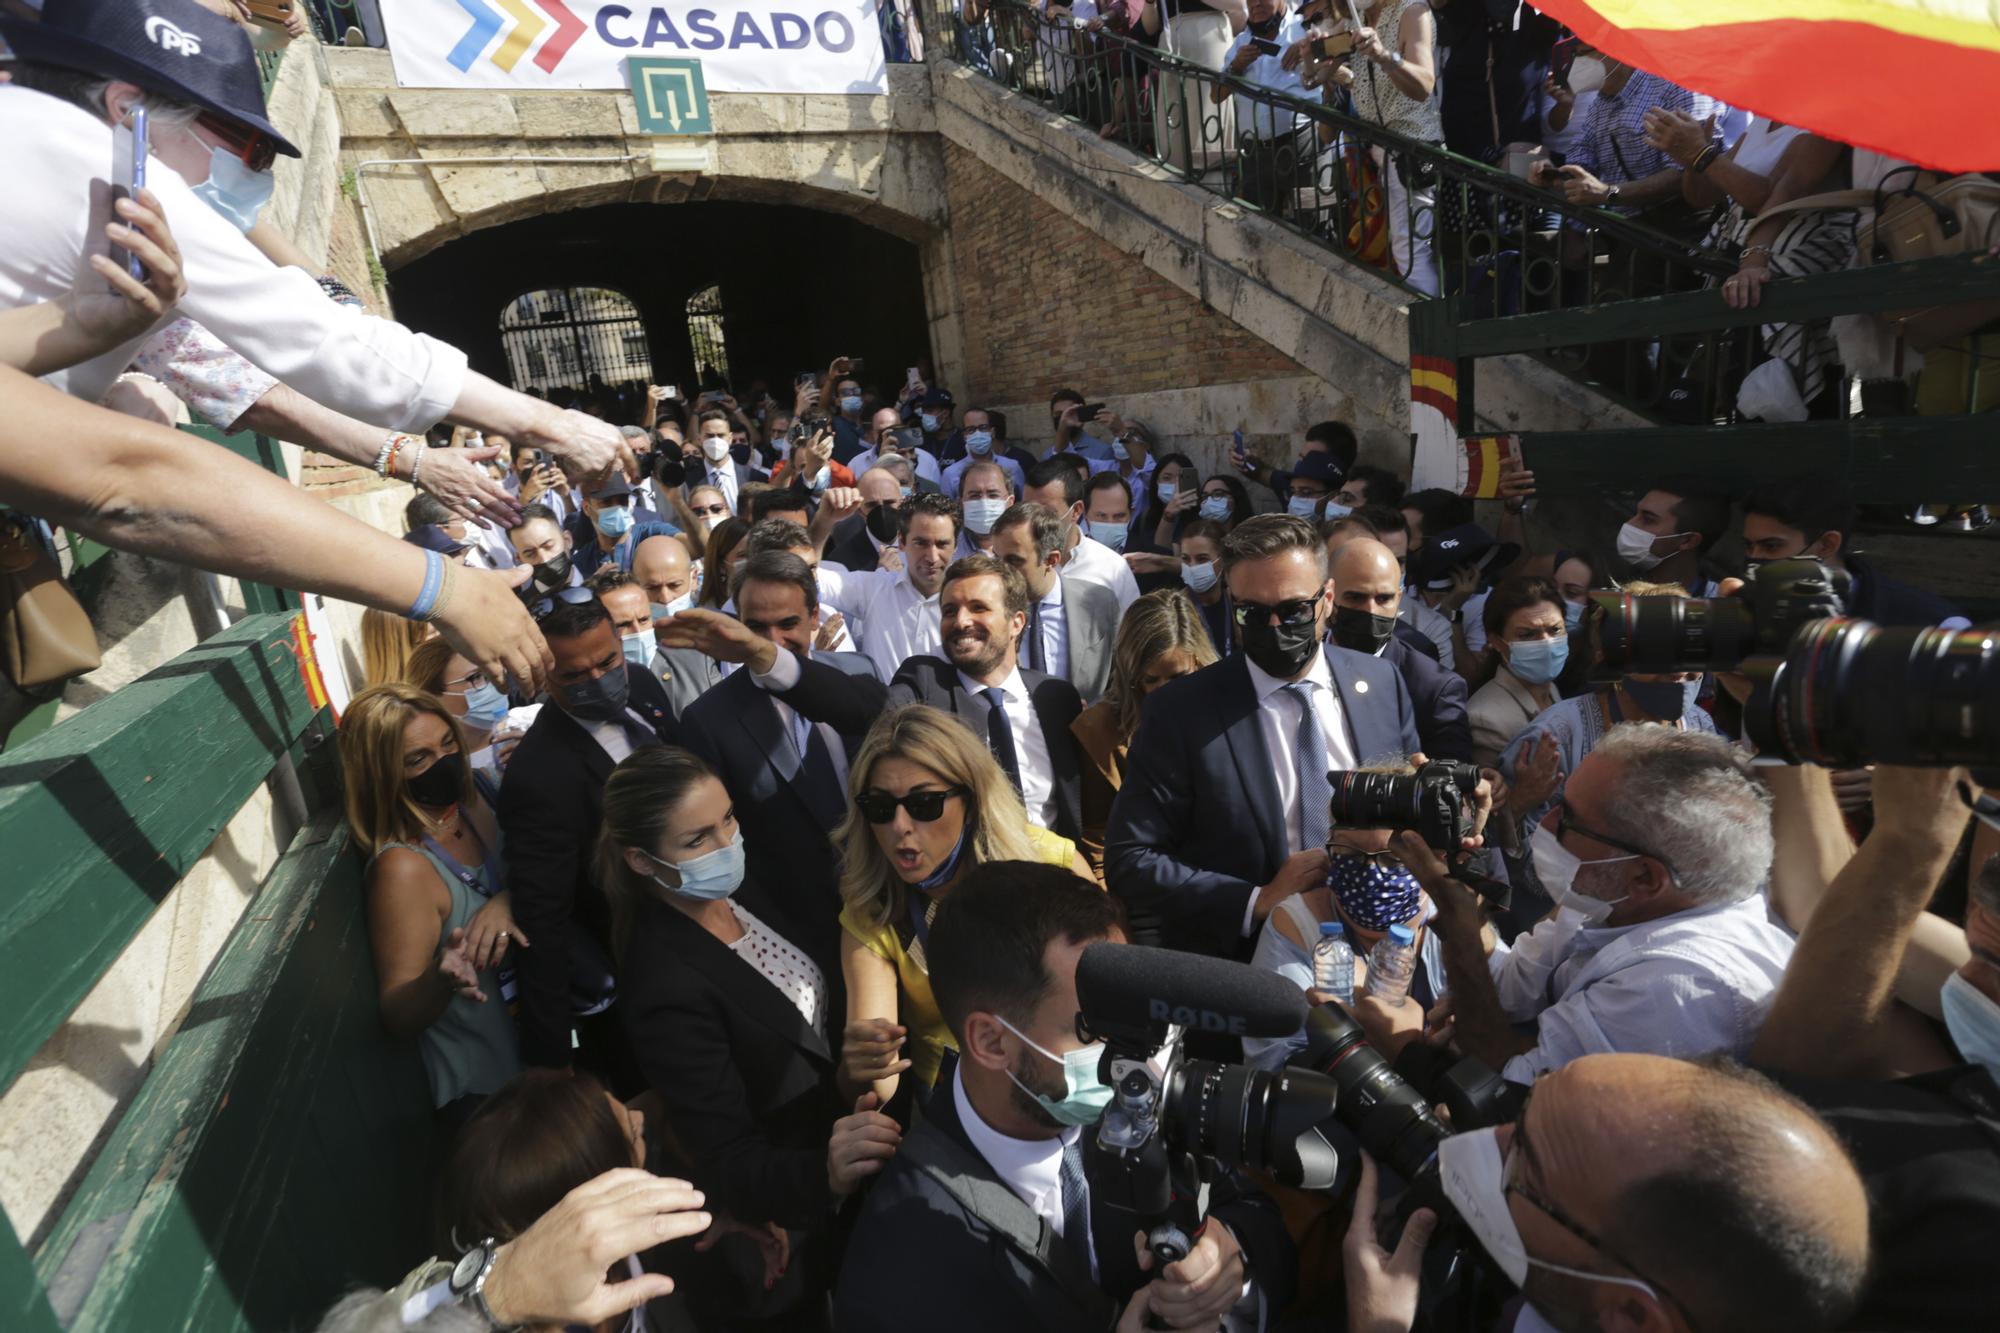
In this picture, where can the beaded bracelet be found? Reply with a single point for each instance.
(383, 456)
(427, 597)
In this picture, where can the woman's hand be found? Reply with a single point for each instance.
(1369, 43)
(454, 964)
(1745, 287)
(456, 479)
(490, 932)
(1580, 187)
(869, 1051)
(133, 305)
(491, 629)
(862, 1144)
(1535, 776)
(1677, 134)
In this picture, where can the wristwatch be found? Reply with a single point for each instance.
(1611, 198)
(1394, 60)
(468, 1282)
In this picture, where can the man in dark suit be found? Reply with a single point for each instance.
(987, 1218)
(1023, 715)
(551, 805)
(715, 467)
(857, 540)
(1072, 624)
(787, 775)
(1223, 813)
(1367, 593)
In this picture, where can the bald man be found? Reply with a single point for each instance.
(857, 543)
(1367, 593)
(884, 443)
(1643, 1193)
(661, 566)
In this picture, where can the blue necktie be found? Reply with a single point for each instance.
(1000, 734)
(1076, 1201)
(1314, 793)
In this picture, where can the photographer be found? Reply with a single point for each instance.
(1635, 1192)
(1809, 517)
(987, 1218)
(1656, 858)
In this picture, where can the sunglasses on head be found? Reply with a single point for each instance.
(257, 150)
(879, 807)
(542, 607)
(1297, 611)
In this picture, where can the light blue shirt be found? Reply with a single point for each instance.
(1254, 118)
(954, 474)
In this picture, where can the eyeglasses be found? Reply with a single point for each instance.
(257, 150)
(1298, 611)
(1566, 823)
(879, 807)
(544, 606)
(472, 680)
(709, 511)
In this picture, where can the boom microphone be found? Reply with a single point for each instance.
(1134, 992)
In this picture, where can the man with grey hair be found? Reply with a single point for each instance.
(1657, 857)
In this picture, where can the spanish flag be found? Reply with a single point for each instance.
(1915, 79)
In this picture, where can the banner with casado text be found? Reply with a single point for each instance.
(749, 46)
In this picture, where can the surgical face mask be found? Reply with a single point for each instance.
(613, 521)
(1085, 1095)
(1556, 867)
(1111, 534)
(667, 610)
(1973, 1020)
(1474, 1176)
(1215, 508)
(440, 784)
(639, 648)
(1635, 546)
(712, 875)
(1587, 75)
(1362, 631)
(597, 700)
(1303, 506)
(979, 442)
(234, 190)
(715, 448)
(1538, 661)
(1200, 578)
(930, 421)
(850, 402)
(908, 491)
(1168, 490)
(1573, 614)
(821, 479)
(1120, 452)
(1335, 509)
(981, 515)
(485, 707)
(1664, 699)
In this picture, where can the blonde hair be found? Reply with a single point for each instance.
(387, 640)
(994, 817)
(1161, 622)
(1641, 588)
(427, 664)
(379, 808)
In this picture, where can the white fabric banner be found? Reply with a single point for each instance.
(750, 46)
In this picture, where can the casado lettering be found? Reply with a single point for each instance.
(1195, 1020)
(786, 32)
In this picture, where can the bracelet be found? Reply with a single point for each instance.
(1707, 155)
(444, 593)
(1764, 250)
(427, 596)
(417, 463)
(384, 454)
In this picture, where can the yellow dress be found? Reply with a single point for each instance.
(917, 1008)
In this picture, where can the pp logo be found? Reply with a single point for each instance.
(167, 37)
(1448, 544)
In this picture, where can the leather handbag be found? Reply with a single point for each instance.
(45, 634)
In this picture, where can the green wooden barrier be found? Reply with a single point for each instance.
(281, 1150)
(101, 816)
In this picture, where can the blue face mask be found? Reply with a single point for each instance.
(1373, 895)
(664, 610)
(1973, 1020)
(613, 521)
(1120, 452)
(908, 491)
(485, 707)
(234, 190)
(930, 421)
(712, 875)
(1538, 661)
(1168, 490)
(1302, 506)
(1573, 614)
(1111, 534)
(979, 442)
(1334, 509)
(851, 403)
(1664, 699)
(821, 479)
(1215, 508)
(639, 648)
(1200, 578)
(1085, 1095)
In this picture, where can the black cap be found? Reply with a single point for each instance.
(938, 398)
(434, 537)
(1468, 544)
(171, 47)
(1321, 467)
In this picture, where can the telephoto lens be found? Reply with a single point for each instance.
(1849, 692)
(1667, 634)
(1391, 1118)
(1430, 801)
(1244, 1117)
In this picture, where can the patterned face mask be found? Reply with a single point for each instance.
(1374, 894)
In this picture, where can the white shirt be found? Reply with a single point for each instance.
(1055, 634)
(1278, 719)
(896, 621)
(920, 459)
(490, 547)
(275, 317)
(1256, 119)
(796, 976)
(1094, 562)
(1681, 986)
(1032, 1168)
(1031, 747)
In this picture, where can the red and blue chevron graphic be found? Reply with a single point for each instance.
(527, 25)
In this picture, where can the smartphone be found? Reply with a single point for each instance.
(1088, 412)
(1266, 45)
(856, 364)
(913, 378)
(805, 377)
(672, 390)
(128, 177)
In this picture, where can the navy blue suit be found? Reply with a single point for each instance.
(1197, 825)
(1438, 697)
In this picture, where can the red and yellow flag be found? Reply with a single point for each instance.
(1915, 79)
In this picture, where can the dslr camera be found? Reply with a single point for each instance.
(1668, 634)
(1431, 801)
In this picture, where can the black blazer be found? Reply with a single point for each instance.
(1416, 639)
(849, 546)
(787, 821)
(747, 1084)
(745, 475)
(551, 805)
(850, 704)
(917, 1247)
(1197, 826)
(1439, 698)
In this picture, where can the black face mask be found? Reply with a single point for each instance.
(1280, 650)
(598, 700)
(1362, 631)
(441, 784)
(740, 452)
(1267, 27)
(668, 468)
(883, 521)
(553, 573)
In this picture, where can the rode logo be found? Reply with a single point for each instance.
(167, 37)
(1193, 1019)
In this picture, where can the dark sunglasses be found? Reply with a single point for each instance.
(879, 807)
(543, 606)
(1298, 611)
(258, 151)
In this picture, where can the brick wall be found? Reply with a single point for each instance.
(1048, 304)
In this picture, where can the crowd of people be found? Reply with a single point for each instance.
(741, 781)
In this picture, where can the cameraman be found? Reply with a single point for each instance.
(1656, 858)
(1637, 1192)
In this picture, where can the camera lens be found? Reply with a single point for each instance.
(1375, 800)
(1390, 1117)
(1251, 1118)
(1849, 692)
(1672, 633)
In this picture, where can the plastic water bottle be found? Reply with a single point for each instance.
(1391, 964)
(1333, 963)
